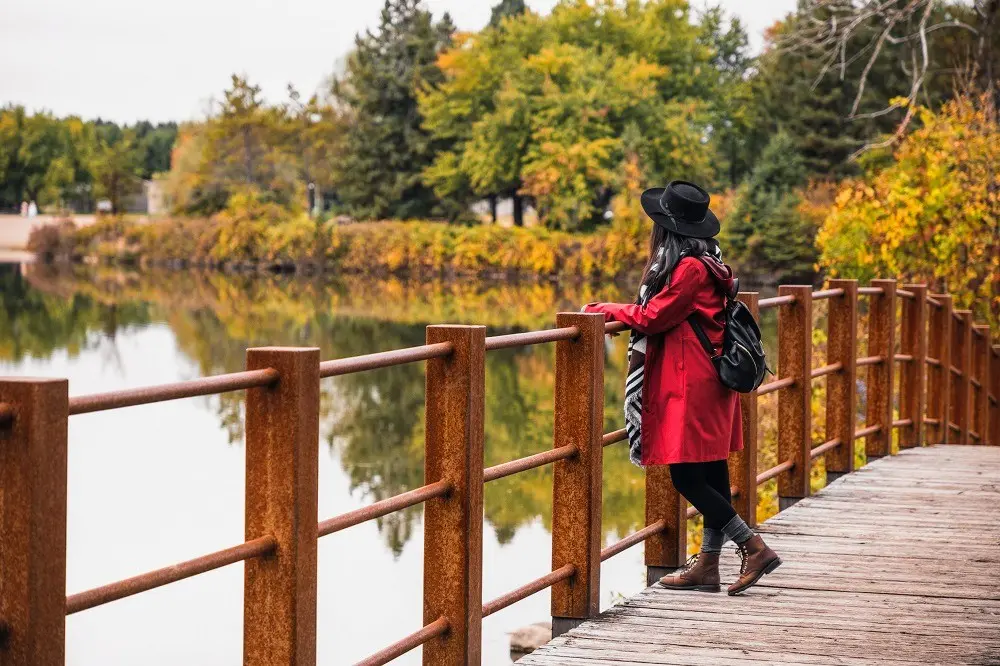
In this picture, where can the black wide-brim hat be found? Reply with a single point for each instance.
(681, 207)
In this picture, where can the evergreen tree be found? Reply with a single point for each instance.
(802, 91)
(814, 113)
(736, 131)
(766, 234)
(504, 9)
(386, 148)
(155, 142)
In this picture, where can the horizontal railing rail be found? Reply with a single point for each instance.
(776, 385)
(436, 628)
(531, 338)
(564, 572)
(775, 301)
(386, 359)
(614, 437)
(237, 381)
(827, 293)
(383, 508)
(949, 380)
(529, 462)
(633, 539)
(160, 577)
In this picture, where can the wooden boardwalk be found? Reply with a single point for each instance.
(897, 563)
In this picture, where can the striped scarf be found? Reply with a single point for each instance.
(637, 359)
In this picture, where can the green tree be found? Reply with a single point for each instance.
(189, 186)
(42, 143)
(505, 9)
(735, 125)
(387, 150)
(116, 167)
(12, 174)
(243, 148)
(54, 160)
(539, 108)
(155, 144)
(314, 133)
(766, 234)
(833, 74)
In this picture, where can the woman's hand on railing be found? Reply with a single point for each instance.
(613, 334)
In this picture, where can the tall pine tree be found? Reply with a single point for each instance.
(506, 8)
(386, 149)
(766, 235)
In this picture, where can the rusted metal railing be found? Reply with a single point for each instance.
(237, 381)
(948, 389)
(99, 596)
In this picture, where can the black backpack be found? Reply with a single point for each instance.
(740, 363)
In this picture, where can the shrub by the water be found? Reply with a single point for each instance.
(254, 234)
(53, 242)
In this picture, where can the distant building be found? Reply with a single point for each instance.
(149, 200)
(156, 203)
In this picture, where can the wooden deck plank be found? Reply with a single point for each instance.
(894, 564)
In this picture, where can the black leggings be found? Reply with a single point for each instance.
(706, 487)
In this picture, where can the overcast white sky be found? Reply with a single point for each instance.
(132, 59)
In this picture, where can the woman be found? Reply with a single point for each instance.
(677, 412)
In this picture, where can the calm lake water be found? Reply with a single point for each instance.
(153, 485)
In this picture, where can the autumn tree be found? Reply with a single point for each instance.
(539, 108)
(45, 159)
(933, 215)
(243, 147)
(117, 168)
(314, 132)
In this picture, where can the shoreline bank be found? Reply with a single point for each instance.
(421, 250)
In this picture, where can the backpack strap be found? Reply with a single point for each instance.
(702, 337)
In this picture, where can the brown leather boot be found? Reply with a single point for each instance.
(701, 573)
(758, 560)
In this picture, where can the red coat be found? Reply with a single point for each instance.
(688, 415)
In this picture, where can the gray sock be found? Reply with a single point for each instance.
(712, 540)
(737, 530)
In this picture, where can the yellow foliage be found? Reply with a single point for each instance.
(933, 215)
(255, 233)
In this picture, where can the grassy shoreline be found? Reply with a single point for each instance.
(388, 248)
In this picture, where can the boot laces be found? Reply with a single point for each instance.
(691, 561)
(745, 557)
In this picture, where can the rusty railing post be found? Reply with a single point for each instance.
(33, 521)
(881, 342)
(912, 384)
(282, 469)
(939, 376)
(667, 550)
(576, 486)
(453, 525)
(795, 402)
(961, 359)
(994, 399)
(981, 364)
(841, 387)
(744, 463)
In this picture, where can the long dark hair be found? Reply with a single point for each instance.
(671, 247)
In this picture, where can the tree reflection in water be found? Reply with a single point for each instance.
(372, 421)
